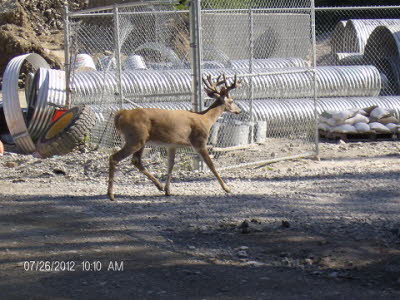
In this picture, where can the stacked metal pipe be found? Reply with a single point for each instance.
(149, 87)
(50, 87)
(286, 114)
(12, 105)
(175, 85)
(383, 51)
(358, 31)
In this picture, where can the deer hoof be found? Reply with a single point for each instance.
(227, 190)
(167, 193)
(111, 196)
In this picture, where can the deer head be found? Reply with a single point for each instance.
(222, 95)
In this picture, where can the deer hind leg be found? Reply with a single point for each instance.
(204, 154)
(137, 162)
(171, 162)
(114, 160)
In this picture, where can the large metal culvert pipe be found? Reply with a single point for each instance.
(50, 87)
(175, 85)
(337, 38)
(357, 32)
(383, 51)
(270, 63)
(283, 114)
(12, 106)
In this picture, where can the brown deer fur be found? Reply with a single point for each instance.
(171, 128)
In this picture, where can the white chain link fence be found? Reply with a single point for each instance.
(142, 58)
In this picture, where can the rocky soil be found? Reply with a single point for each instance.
(301, 229)
(33, 26)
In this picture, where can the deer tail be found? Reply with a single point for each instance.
(117, 120)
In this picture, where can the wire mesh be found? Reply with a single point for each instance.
(361, 36)
(142, 56)
(253, 31)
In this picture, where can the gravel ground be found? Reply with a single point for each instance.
(301, 229)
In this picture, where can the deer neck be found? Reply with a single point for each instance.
(214, 111)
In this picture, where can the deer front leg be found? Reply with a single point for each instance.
(204, 154)
(137, 161)
(114, 160)
(171, 162)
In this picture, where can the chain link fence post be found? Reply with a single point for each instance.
(314, 80)
(196, 50)
(117, 49)
(251, 59)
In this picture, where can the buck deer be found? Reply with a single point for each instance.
(172, 128)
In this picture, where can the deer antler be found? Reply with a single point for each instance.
(236, 83)
(211, 88)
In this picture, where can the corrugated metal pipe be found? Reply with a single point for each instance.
(383, 51)
(283, 115)
(175, 85)
(150, 86)
(337, 38)
(358, 31)
(12, 105)
(50, 93)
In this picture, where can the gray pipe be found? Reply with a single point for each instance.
(175, 85)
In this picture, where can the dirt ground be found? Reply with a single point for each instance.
(301, 229)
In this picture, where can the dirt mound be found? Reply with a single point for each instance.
(33, 26)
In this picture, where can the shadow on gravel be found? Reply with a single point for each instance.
(348, 175)
(187, 247)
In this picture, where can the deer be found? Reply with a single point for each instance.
(172, 128)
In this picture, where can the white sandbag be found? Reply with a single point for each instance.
(379, 128)
(331, 122)
(379, 113)
(393, 127)
(363, 112)
(344, 115)
(362, 127)
(387, 120)
(345, 128)
(324, 127)
(369, 109)
(358, 118)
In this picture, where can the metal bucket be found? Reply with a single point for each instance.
(233, 134)
(260, 131)
(213, 138)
